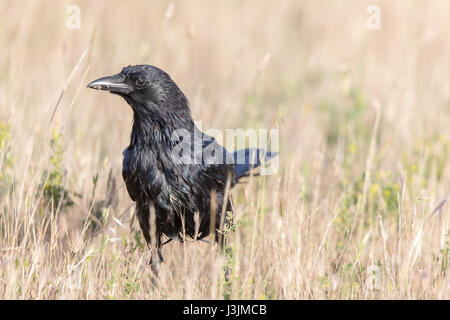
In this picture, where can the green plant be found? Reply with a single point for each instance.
(100, 209)
(6, 158)
(54, 184)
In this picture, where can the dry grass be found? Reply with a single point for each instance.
(349, 215)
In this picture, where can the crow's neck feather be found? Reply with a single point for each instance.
(153, 125)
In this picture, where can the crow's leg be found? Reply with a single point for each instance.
(156, 257)
(147, 220)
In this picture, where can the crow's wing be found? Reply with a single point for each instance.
(246, 159)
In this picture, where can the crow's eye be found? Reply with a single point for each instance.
(140, 82)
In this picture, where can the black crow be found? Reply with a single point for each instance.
(171, 168)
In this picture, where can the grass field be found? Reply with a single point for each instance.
(357, 210)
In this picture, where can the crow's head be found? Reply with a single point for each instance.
(147, 89)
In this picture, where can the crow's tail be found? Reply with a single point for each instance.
(247, 159)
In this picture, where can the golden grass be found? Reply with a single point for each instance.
(363, 118)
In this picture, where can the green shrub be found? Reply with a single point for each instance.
(6, 158)
(54, 189)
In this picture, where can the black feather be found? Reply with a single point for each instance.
(176, 191)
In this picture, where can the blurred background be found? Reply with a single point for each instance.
(357, 210)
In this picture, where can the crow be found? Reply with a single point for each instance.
(178, 176)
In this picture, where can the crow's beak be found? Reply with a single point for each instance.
(114, 84)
